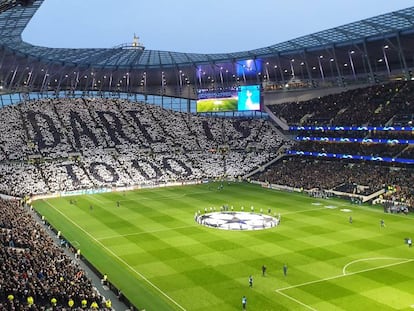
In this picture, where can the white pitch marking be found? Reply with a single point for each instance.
(120, 259)
(342, 275)
(279, 291)
(369, 259)
(295, 300)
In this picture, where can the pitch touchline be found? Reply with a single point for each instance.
(120, 259)
(139, 233)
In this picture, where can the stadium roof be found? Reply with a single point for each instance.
(14, 21)
(358, 51)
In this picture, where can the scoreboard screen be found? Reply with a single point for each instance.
(243, 98)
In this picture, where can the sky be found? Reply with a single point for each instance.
(213, 26)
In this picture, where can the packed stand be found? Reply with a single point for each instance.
(382, 105)
(307, 173)
(53, 145)
(35, 272)
(376, 105)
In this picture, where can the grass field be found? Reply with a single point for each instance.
(154, 251)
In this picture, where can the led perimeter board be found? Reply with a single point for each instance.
(243, 98)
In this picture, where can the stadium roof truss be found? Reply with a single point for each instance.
(362, 49)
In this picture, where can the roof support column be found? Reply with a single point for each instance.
(309, 72)
(403, 61)
(61, 79)
(321, 68)
(340, 77)
(371, 75)
(280, 70)
(351, 62)
(13, 76)
(20, 81)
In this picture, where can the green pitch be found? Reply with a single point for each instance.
(153, 250)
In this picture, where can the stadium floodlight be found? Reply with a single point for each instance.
(384, 48)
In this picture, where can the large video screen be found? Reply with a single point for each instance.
(249, 98)
(244, 98)
(248, 67)
(215, 101)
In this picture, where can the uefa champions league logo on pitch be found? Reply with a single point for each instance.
(237, 220)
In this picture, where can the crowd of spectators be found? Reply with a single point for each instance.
(382, 105)
(35, 272)
(308, 173)
(52, 145)
(375, 105)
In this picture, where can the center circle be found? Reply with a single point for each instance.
(237, 220)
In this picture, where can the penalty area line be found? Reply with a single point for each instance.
(295, 300)
(343, 275)
(280, 290)
(403, 260)
(119, 259)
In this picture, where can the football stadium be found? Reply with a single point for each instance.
(278, 178)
